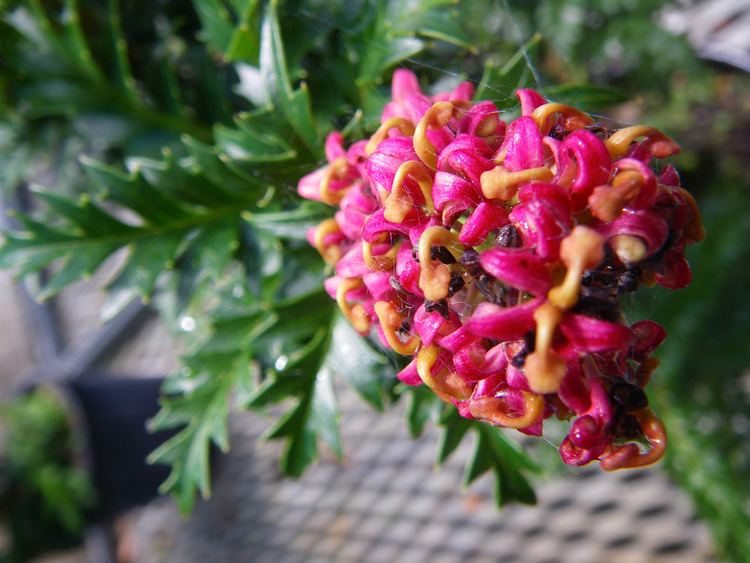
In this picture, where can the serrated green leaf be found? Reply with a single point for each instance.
(185, 185)
(273, 390)
(212, 248)
(300, 451)
(148, 258)
(76, 266)
(201, 409)
(133, 192)
(123, 74)
(292, 224)
(252, 146)
(206, 157)
(491, 452)
(234, 34)
(84, 215)
(273, 67)
(442, 25)
(217, 26)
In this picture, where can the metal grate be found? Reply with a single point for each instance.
(387, 503)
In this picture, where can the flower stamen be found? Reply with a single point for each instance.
(447, 385)
(331, 253)
(495, 410)
(659, 144)
(573, 118)
(356, 313)
(629, 455)
(544, 368)
(581, 250)
(335, 171)
(437, 116)
(391, 321)
(435, 277)
(398, 203)
(402, 124)
(500, 183)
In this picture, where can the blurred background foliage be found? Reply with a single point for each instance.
(195, 120)
(45, 489)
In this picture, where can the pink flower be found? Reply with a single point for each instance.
(494, 255)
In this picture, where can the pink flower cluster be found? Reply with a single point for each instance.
(495, 254)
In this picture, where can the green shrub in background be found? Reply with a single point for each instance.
(195, 121)
(44, 490)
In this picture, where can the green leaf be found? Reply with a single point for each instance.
(133, 192)
(359, 363)
(251, 145)
(87, 218)
(325, 415)
(199, 404)
(74, 267)
(587, 97)
(491, 453)
(316, 412)
(500, 83)
(454, 429)
(292, 224)
(148, 258)
(229, 29)
(203, 412)
(420, 406)
(295, 104)
(206, 232)
(442, 24)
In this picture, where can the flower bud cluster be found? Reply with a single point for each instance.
(495, 254)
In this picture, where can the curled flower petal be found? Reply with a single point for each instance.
(522, 147)
(485, 218)
(588, 334)
(334, 146)
(449, 188)
(583, 164)
(518, 268)
(574, 392)
(630, 455)
(530, 100)
(498, 323)
(647, 337)
(309, 186)
(649, 230)
(656, 142)
(542, 223)
(428, 325)
(473, 362)
(482, 120)
(409, 374)
(511, 408)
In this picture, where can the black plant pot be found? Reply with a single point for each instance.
(115, 412)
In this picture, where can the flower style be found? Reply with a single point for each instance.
(495, 255)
